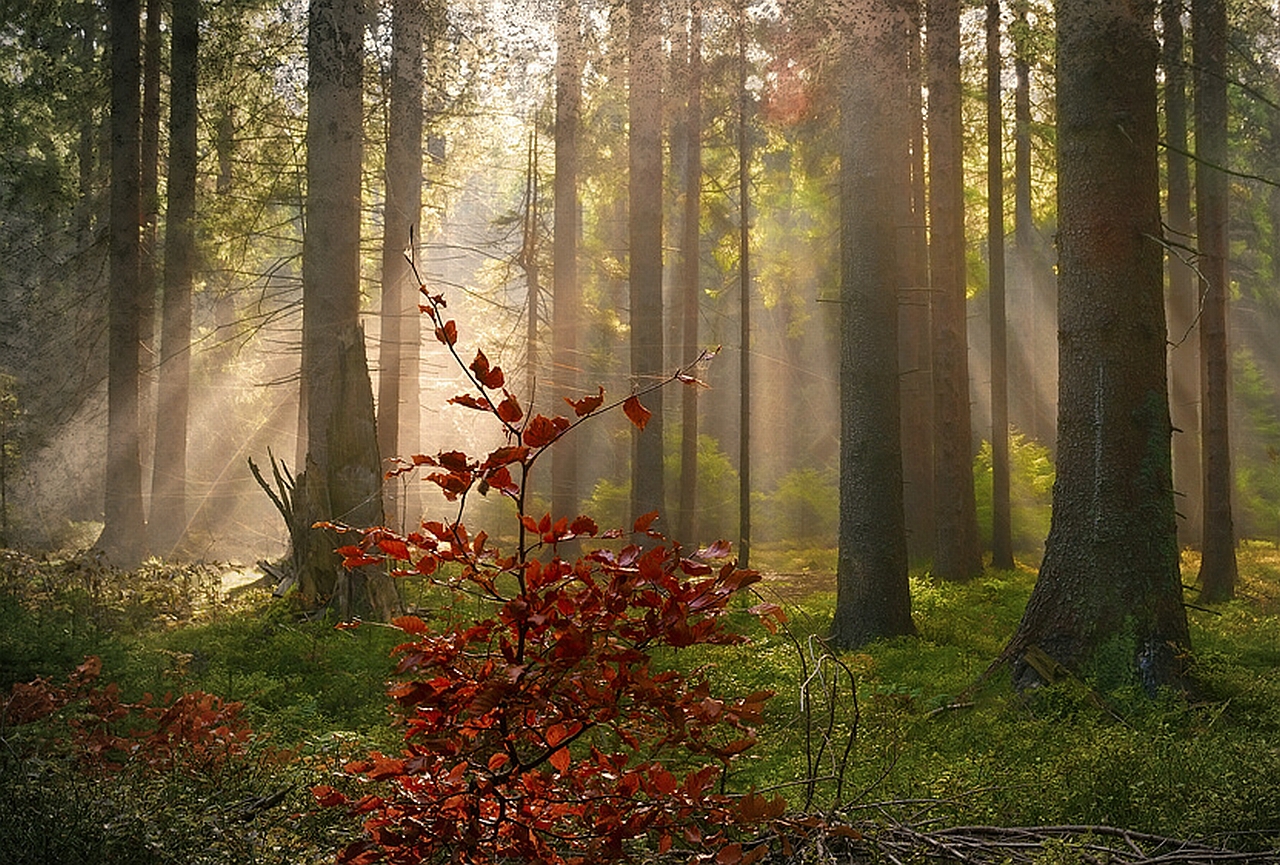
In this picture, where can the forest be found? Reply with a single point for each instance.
(721, 431)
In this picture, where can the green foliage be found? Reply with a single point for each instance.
(1256, 457)
(803, 509)
(1031, 474)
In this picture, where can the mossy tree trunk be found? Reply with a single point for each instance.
(1108, 601)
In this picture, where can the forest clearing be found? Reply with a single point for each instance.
(709, 431)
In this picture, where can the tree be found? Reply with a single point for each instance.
(872, 593)
(401, 228)
(1001, 528)
(1209, 48)
(957, 553)
(124, 529)
(645, 256)
(1109, 595)
(566, 296)
(169, 475)
(343, 477)
(744, 297)
(1183, 302)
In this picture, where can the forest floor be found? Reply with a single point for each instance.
(894, 753)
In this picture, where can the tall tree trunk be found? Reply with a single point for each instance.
(690, 287)
(872, 593)
(1001, 522)
(124, 531)
(1209, 47)
(1108, 601)
(915, 360)
(401, 231)
(342, 480)
(148, 357)
(169, 475)
(744, 299)
(1182, 302)
(645, 257)
(958, 555)
(566, 298)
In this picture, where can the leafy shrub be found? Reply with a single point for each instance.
(1031, 475)
(540, 730)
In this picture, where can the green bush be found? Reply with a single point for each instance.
(1031, 475)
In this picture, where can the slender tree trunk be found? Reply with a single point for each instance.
(958, 555)
(1108, 602)
(169, 476)
(124, 531)
(1183, 302)
(1023, 296)
(690, 289)
(401, 231)
(872, 592)
(148, 356)
(744, 298)
(1209, 47)
(1001, 520)
(645, 257)
(566, 298)
(915, 360)
(342, 480)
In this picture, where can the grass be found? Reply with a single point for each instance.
(919, 732)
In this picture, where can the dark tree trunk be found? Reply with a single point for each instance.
(169, 476)
(124, 531)
(1001, 523)
(872, 595)
(342, 481)
(1108, 601)
(399, 320)
(690, 289)
(149, 261)
(1209, 48)
(957, 554)
(914, 352)
(645, 257)
(1182, 302)
(566, 298)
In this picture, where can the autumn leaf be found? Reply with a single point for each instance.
(448, 332)
(543, 430)
(561, 758)
(490, 377)
(410, 625)
(509, 409)
(644, 521)
(587, 404)
(638, 414)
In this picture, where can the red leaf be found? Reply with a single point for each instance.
(468, 401)
(448, 333)
(718, 550)
(729, 855)
(586, 405)
(543, 430)
(490, 377)
(327, 797)
(509, 409)
(410, 625)
(638, 414)
(644, 521)
(561, 758)
(397, 549)
(348, 626)
(584, 526)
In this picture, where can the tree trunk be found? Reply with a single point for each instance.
(645, 258)
(124, 530)
(914, 350)
(872, 593)
(169, 475)
(401, 232)
(744, 300)
(1001, 523)
(958, 555)
(342, 481)
(1183, 302)
(1209, 48)
(1108, 602)
(566, 298)
(148, 289)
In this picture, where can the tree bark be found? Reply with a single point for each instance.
(744, 299)
(1182, 302)
(566, 298)
(1209, 47)
(872, 592)
(645, 257)
(124, 530)
(169, 475)
(914, 344)
(1108, 601)
(342, 480)
(957, 555)
(401, 232)
(1001, 519)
